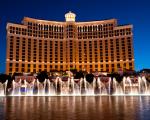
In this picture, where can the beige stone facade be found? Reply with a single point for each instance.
(38, 45)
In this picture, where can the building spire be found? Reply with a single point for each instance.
(70, 16)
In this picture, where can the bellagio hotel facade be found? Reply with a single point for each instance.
(41, 45)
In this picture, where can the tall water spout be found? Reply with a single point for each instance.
(145, 84)
(71, 86)
(3, 88)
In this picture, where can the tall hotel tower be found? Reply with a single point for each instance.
(41, 45)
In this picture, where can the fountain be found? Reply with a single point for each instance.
(73, 87)
(3, 87)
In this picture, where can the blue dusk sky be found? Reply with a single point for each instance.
(136, 12)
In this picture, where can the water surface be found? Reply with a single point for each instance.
(75, 108)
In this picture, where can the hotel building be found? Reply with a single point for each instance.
(41, 45)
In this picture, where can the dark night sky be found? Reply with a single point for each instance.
(136, 12)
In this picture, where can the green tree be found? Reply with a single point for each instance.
(42, 76)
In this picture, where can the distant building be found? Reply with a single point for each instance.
(27, 78)
(145, 72)
(38, 45)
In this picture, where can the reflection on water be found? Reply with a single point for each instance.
(75, 108)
